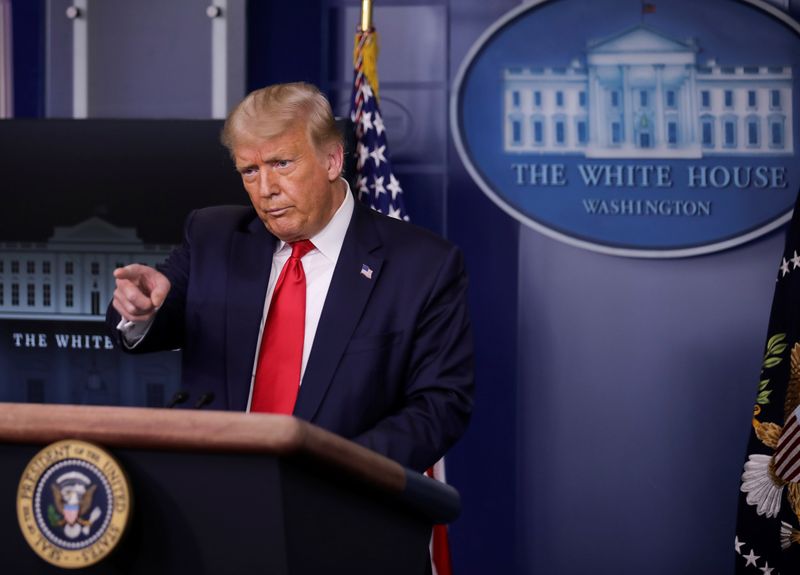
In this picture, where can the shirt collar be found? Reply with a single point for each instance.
(329, 240)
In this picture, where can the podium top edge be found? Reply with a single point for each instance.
(199, 431)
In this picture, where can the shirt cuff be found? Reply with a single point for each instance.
(133, 332)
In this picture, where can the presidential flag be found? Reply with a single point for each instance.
(376, 184)
(768, 526)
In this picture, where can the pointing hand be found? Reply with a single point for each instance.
(140, 291)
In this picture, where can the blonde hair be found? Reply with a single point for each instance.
(272, 111)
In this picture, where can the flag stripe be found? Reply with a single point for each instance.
(792, 473)
(786, 455)
(440, 544)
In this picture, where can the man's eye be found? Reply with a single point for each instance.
(282, 163)
(248, 172)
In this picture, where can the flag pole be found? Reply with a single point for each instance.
(366, 15)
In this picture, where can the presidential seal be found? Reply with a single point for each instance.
(73, 503)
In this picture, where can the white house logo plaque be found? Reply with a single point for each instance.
(636, 129)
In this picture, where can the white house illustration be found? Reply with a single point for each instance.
(642, 94)
(70, 276)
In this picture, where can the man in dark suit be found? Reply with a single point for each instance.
(384, 355)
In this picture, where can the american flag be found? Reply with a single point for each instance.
(378, 187)
(376, 184)
(441, 564)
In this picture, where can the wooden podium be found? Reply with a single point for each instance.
(219, 492)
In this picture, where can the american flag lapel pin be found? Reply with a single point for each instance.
(366, 271)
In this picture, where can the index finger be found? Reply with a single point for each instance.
(130, 272)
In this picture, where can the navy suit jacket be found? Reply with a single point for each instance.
(391, 363)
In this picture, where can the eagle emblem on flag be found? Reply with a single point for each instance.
(765, 477)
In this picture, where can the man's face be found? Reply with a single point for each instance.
(294, 187)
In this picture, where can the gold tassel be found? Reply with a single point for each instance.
(369, 58)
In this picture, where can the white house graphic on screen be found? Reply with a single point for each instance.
(69, 277)
(643, 94)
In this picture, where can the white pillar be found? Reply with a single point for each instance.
(694, 116)
(593, 108)
(219, 58)
(627, 108)
(80, 59)
(659, 126)
(6, 62)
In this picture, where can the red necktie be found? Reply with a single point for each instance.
(281, 355)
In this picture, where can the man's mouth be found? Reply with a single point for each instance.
(277, 212)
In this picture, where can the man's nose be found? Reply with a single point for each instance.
(268, 183)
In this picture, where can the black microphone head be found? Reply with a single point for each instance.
(179, 397)
(204, 399)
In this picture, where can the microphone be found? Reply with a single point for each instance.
(204, 400)
(179, 397)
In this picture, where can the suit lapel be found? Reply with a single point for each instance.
(249, 265)
(344, 305)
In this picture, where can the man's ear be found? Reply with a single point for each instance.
(335, 159)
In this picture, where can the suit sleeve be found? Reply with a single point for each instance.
(437, 402)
